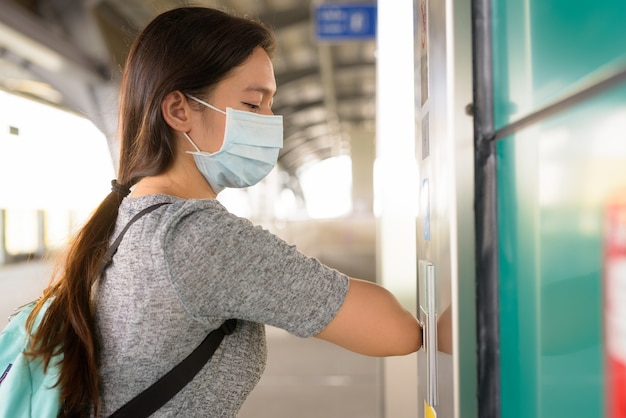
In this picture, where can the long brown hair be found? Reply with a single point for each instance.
(188, 49)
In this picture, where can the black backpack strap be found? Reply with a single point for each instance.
(108, 256)
(164, 389)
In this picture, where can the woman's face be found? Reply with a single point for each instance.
(250, 87)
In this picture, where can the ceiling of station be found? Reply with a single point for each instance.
(69, 53)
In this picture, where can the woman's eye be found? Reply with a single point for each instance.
(251, 106)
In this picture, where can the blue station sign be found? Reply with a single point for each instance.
(342, 22)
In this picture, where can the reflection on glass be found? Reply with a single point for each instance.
(554, 180)
(444, 331)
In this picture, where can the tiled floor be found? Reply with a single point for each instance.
(303, 378)
(310, 378)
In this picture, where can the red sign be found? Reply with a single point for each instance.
(615, 307)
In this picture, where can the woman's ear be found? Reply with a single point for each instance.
(176, 111)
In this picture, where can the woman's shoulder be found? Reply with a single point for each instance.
(180, 213)
(176, 205)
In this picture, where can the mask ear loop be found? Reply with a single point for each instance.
(192, 143)
(202, 102)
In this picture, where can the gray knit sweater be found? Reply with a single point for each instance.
(179, 272)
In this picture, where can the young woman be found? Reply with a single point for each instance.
(195, 117)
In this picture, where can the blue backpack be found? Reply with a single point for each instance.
(27, 392)
(23, 384)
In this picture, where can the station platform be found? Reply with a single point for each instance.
(304, 378)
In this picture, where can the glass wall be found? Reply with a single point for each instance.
(555, 178)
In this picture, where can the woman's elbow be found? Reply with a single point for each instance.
(408, 342)
(403, 338)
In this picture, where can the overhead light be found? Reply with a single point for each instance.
(29, 50)
(35, 88)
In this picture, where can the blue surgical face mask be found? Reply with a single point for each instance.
(248, 154)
